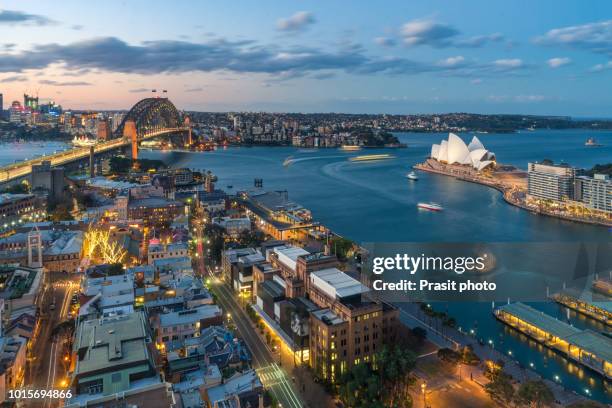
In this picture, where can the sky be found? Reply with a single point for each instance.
(394, 56)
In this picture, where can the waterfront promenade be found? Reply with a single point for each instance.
(444, 336)
(511, 193)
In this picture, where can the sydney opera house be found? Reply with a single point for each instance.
(455, 151)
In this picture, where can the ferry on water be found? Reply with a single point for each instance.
(591, 142)
(350, 148)
(370, 157)
(430, 206)
(83, 141)
(412, 176)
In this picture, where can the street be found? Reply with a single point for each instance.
(274, 378)
(45, 362)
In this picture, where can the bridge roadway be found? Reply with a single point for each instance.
(21, 169)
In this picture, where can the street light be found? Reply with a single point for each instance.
(424, 391)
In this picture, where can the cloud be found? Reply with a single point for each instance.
(518, 98)
(476, 81)
(530, 98)
(452, 61)
(77, 27)
(111, 54)
(13, 17)
(197, 89)
(140, 90)
(385, 41)
(297, 22)
(427, 32)
(558, 62)
(67, 83)
(324, 75)
(16, 78)
(601, 67)
(479, 41)
(594, 37)
(440, 35)
(505, 64)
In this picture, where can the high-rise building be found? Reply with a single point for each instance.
(550, 181)
(595, 192)
(1, 105)
(15, 112)
(30, 102)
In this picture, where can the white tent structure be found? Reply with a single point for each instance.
(455, 151)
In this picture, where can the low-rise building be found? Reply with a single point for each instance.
(18, 208)
(173, 328)
(241, 390)
(166, 251)
(233, 226)
(61, 249)
(114, 361)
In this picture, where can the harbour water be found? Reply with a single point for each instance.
(374, 202)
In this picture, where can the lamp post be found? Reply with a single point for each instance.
(424, 391)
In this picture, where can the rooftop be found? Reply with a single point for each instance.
(288, 255)
(154, 202)
(328, 317)
(236, 385)
(106, 343)
(336, 283)
(190, 315)
(587, 340)
(106, 184)
(6, 198)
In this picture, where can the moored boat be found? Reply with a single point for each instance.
(430, 206)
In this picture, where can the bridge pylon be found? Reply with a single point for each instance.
(187, 123)
(130, 133)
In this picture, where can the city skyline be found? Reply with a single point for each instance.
(426, 57)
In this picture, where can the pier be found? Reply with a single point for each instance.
(597, 310)
(591, 349)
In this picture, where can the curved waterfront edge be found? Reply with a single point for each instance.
(507, 196)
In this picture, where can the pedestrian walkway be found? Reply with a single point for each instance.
(450, 337)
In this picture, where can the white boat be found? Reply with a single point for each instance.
(412, 176)
(370, 157)
(591, 142)
(430, 206)
(83, 141)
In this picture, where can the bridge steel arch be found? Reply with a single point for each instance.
(151, 114)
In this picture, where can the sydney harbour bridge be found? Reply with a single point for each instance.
(149, 118)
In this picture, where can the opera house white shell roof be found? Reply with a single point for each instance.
(455, 151)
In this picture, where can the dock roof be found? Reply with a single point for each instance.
(539, 319)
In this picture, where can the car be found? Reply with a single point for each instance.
(52, 306)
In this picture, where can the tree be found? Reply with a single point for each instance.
(251, 238)
(500, 389)
(383, 384)
(61, 212)
(341, 247)
(21, 188)
(535, 393)
(449, 356)
(468, 356)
